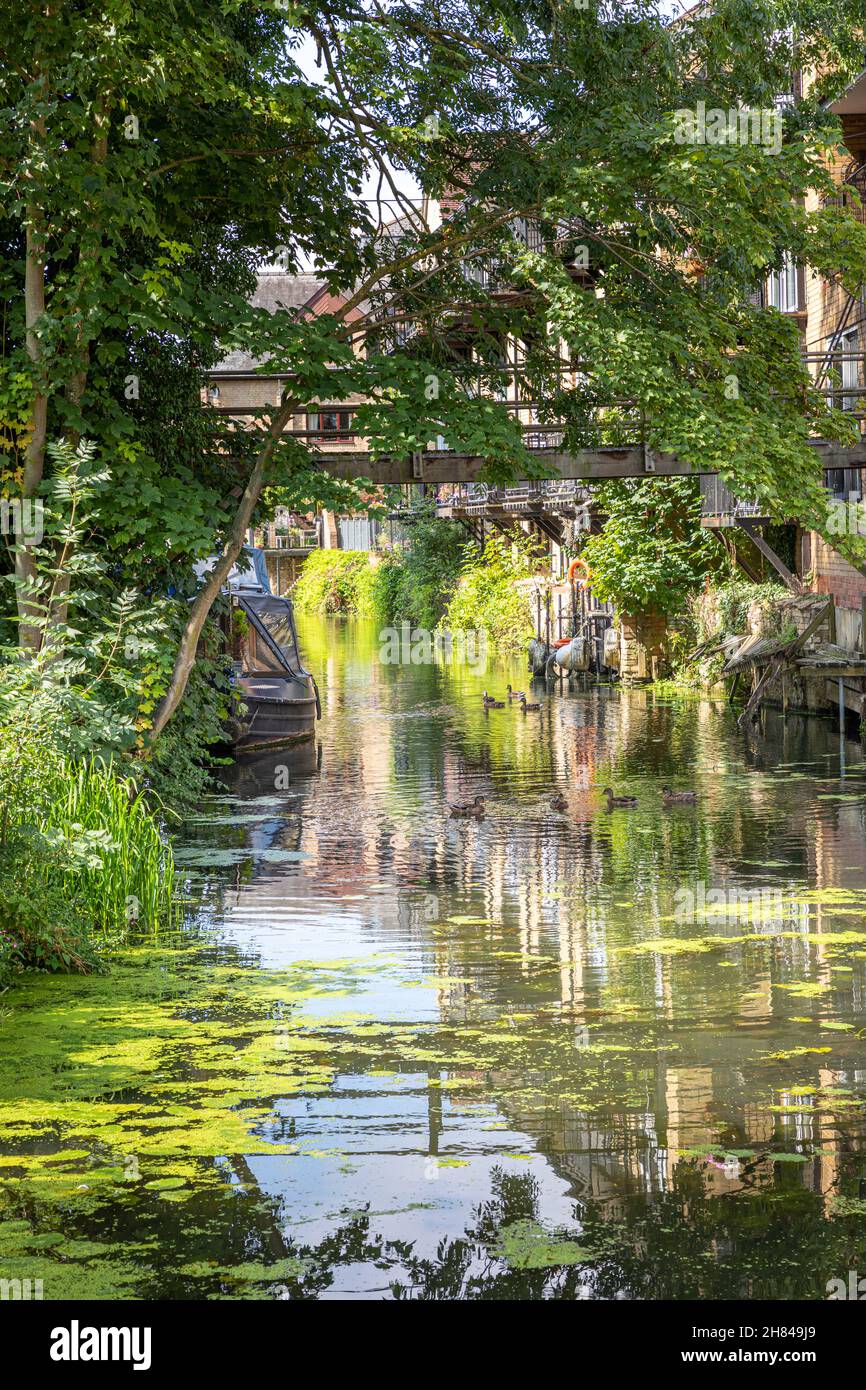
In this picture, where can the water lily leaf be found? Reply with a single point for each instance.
(526, 1245)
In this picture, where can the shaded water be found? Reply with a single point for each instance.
(577, 1054)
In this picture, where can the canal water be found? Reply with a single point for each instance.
(387, 1053)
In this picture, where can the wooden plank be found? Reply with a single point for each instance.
(585, 465)
(751, 530)
(777, 662)
(855, 700)
(827, 668)
(807, 631)
(757, 694)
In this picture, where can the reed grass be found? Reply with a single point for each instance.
(134, 882)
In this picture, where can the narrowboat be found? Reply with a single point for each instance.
(280, 697)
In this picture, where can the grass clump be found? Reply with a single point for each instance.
(82, 858)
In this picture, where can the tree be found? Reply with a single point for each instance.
(139, 155)
(651, 552)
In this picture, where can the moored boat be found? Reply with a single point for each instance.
(280, 697)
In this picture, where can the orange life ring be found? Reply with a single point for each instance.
(579, 563)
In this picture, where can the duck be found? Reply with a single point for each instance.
(618, 800)
(671, 796)
(515, 694)
(558, 802)
(490, 703)
(527, 708)
(468, 808)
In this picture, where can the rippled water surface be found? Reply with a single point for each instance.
(580, 1053)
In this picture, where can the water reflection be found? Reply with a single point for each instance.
(571, 1054)
(629, 1061)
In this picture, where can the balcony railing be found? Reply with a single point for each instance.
(718, 501)
(332, 428)
(290, 537)
(554, 494)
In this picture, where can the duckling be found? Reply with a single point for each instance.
(468, 808)
(490, 703)
(558, 802)
(618, 800)
(670, 796)
(515, 694)
(527, 708)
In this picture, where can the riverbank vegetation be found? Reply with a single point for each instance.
(491, 594)
(652, 559)
(652, 553)
(83, 860)
(344, 583)
(83, 856)
(432, 579)
(410, 581)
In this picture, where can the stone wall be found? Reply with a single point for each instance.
(791, 611)
(642, 646)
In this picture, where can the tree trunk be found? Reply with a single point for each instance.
(216, 578)
(34, 462)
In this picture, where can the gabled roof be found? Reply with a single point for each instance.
(852, 102)
(276, 290)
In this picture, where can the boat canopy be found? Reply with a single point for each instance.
(273, 621)
(249, 575)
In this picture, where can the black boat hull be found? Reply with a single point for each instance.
(271, 718)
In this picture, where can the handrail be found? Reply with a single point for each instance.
(617, 422)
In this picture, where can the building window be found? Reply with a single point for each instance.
(849, 371)
(844, 483)
(783, 288)
(330, 424)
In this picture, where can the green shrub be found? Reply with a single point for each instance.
(104, 657)
(425, 571)
(341, 582)
(433, 579)
(82, 858)
(487, 599)
(652, 551)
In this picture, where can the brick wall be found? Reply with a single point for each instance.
(833, 575)
(825, 299)
(251, 391)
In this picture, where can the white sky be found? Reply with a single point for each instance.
(304, 55)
